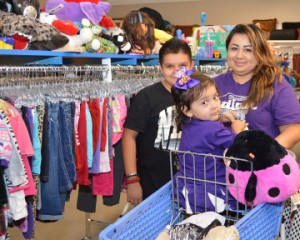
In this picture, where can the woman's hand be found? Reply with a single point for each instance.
(134, 193)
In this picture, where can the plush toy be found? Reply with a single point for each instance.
(139, 29)
(7, 43)
(64, 26)
(6, 6)
(89, 35)
(275, 176)
(107, 22)
(101, 45)
(28, 8)
(29, 33)
(76, 10)
(78, 41)
(119, 39)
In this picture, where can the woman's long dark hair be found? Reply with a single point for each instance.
(266, 71)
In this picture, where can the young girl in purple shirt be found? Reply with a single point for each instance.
(198, 116)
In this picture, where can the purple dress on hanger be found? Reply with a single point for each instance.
(203, 137)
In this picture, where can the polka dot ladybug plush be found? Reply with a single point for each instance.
(269, 172)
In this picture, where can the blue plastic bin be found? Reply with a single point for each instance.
(148, 219)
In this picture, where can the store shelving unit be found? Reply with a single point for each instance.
(285, 43)
(36, 57)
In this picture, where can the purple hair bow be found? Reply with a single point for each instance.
(184, 81)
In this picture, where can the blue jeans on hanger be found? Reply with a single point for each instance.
(67, 170)
(44, 176)
(52, 201)
(72, 131)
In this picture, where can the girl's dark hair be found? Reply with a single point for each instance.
(174, 45)
(262, 82)
(131, 24)
(184, 98)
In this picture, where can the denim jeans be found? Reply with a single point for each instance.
(72, 131)
(44, 177)
(66, 159)
(52, 200)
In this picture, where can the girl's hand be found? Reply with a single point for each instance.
(238, 126)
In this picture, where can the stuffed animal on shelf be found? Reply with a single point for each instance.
(28, 8)
(139, 29)
(6, 6)
(7, 43)
(107, 22)
(76, 10)
(119, 39)
(271, 173)
(98, 44)
(64, 26)
(86, 34)
(29, 33)
(89, 40)
(101, 45)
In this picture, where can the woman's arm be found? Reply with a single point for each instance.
(134, 190)
(289, 135)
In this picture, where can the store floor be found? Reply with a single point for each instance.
(73, 226)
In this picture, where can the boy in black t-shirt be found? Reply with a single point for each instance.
(148, 126)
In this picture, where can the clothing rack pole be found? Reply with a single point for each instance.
(108, 75)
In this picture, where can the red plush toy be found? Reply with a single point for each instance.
(65, 26)
(107, 22)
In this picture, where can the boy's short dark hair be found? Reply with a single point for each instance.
(174, 45)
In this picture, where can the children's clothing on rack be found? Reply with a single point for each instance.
(58, 137)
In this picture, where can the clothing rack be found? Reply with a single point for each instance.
(30, 85)
(33, 74)
(29, 74)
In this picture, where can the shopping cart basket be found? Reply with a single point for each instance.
(148, 219)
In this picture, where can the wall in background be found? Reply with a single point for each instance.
(125, 2)
(226, 12)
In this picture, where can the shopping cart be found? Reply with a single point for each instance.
(148, 219)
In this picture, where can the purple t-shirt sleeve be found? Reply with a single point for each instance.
(285, 105)
(223, 137)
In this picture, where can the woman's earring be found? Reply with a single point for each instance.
(190, 119)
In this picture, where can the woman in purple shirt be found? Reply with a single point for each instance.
(254, 88)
